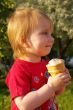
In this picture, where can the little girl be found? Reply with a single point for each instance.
(31, 88)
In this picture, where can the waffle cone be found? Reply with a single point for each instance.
(56, 69)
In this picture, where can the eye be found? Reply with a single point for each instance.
(44, 33)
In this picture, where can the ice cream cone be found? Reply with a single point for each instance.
(55, 66)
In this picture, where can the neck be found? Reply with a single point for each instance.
(31, 58)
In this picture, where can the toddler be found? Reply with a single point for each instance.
(31, 88)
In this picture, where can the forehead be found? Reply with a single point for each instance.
(45, 24)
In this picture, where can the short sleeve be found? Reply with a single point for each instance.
(18, 81)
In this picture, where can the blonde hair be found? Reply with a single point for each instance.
(21, 23)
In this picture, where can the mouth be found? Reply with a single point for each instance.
(48, 45)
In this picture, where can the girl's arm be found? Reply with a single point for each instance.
(35, 98)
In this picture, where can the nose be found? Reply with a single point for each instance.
(51, 39)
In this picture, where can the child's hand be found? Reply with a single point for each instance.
(60, 80)
(67, 72)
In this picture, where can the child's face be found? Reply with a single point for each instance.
(41, 41)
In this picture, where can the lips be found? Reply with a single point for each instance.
(48, 45)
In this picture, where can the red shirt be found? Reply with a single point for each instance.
(24, 77)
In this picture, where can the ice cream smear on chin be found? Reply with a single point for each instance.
(55, 66)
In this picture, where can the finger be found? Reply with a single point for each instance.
(65, 76)
(61, 74)
(67, 83)
(67, 71)
(67, 80)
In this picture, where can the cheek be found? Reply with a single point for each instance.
(36, 45)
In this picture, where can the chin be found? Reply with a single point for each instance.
(45, 54)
